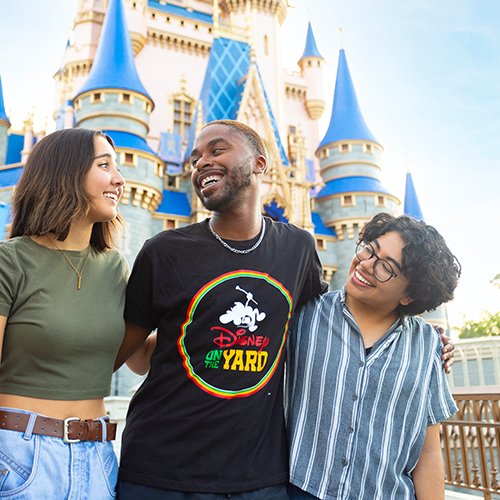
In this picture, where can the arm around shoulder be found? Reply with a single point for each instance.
(134, 339)
(428, 474)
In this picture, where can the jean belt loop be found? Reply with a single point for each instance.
(104, 428)
(29, 426)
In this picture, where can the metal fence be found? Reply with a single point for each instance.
(471, 441)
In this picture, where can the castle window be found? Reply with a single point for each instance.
(309, 63)
(169, 224)
(172, 182)
(292, 130)
(128, 159)
(125, 98)
(324, 153)
(159, 170)
(182, 23)
(348, 200)
(134, 5)
(344, 148)
(153, 16)
(266, 45)
(168, 19)
(96, 98)
(367, 148)
(320, 244)
(183, 115)
(195, 26)
(380, 201)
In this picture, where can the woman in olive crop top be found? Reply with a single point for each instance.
(62, 291)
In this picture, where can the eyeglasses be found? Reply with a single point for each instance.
(382, 270)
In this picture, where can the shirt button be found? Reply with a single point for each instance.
(361, 363)
(350, 430)
(345, 462)
(355, 397)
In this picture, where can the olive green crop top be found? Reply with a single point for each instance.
(60, 342)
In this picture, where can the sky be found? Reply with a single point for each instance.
(427, 78)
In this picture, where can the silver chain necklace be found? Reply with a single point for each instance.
(236, 250)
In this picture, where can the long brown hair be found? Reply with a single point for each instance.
(51, 193)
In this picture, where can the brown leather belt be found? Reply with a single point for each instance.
(71, 429)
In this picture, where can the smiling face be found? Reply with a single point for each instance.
(363, 288)
(224, 164)
(103, 183)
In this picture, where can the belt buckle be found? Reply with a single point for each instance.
(67, 421)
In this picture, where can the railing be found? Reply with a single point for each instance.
(471, 440)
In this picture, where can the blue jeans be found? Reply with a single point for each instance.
(130, 491)
(295, 493)
(33, 467)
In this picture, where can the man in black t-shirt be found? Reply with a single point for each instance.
(208, 420)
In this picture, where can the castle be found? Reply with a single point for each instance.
(151, 73)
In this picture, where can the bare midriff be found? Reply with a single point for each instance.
(83, 409)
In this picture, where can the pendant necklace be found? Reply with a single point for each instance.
(237, 250)
(79, 274)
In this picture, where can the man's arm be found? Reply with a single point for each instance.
(428, 475)
(140, 361)
(135, 337)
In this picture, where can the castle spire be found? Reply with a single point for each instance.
(310, 50)
(412, 206)
(347, 122)
(114, 65)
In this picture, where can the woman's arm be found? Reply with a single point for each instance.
(428, 475)
(139, 362)
(3, 323)
(134, 338)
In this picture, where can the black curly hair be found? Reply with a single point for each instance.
(429, 266)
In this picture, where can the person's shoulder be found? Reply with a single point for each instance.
(173, 236)
(323, 300)
(287, 229)
(17, 245)
(422, 331)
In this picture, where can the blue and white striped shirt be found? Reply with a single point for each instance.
(357, 422)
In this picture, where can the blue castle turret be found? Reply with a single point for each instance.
(412, 208)
(4, 128)
(349, 157)
(113, 99)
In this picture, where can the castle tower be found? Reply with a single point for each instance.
(79, 55)
(412, 208)
(113, 99)
(4, 127)
(349, 157)
(259, 24)
(311, 67)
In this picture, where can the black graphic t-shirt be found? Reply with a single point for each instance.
(209, 416)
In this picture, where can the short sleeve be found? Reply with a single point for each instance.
(7, 281)
(440, 404)
(313, 282)
(139, 303)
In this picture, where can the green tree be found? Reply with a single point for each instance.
(488, 324)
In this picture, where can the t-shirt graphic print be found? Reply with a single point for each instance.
(232, 341)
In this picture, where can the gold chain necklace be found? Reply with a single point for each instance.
(79, 274)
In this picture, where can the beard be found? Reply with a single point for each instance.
(236, 181)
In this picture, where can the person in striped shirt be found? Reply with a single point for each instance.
(365, 386)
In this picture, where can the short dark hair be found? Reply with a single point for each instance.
(428, 264)
(248, 133)
(51, 193)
